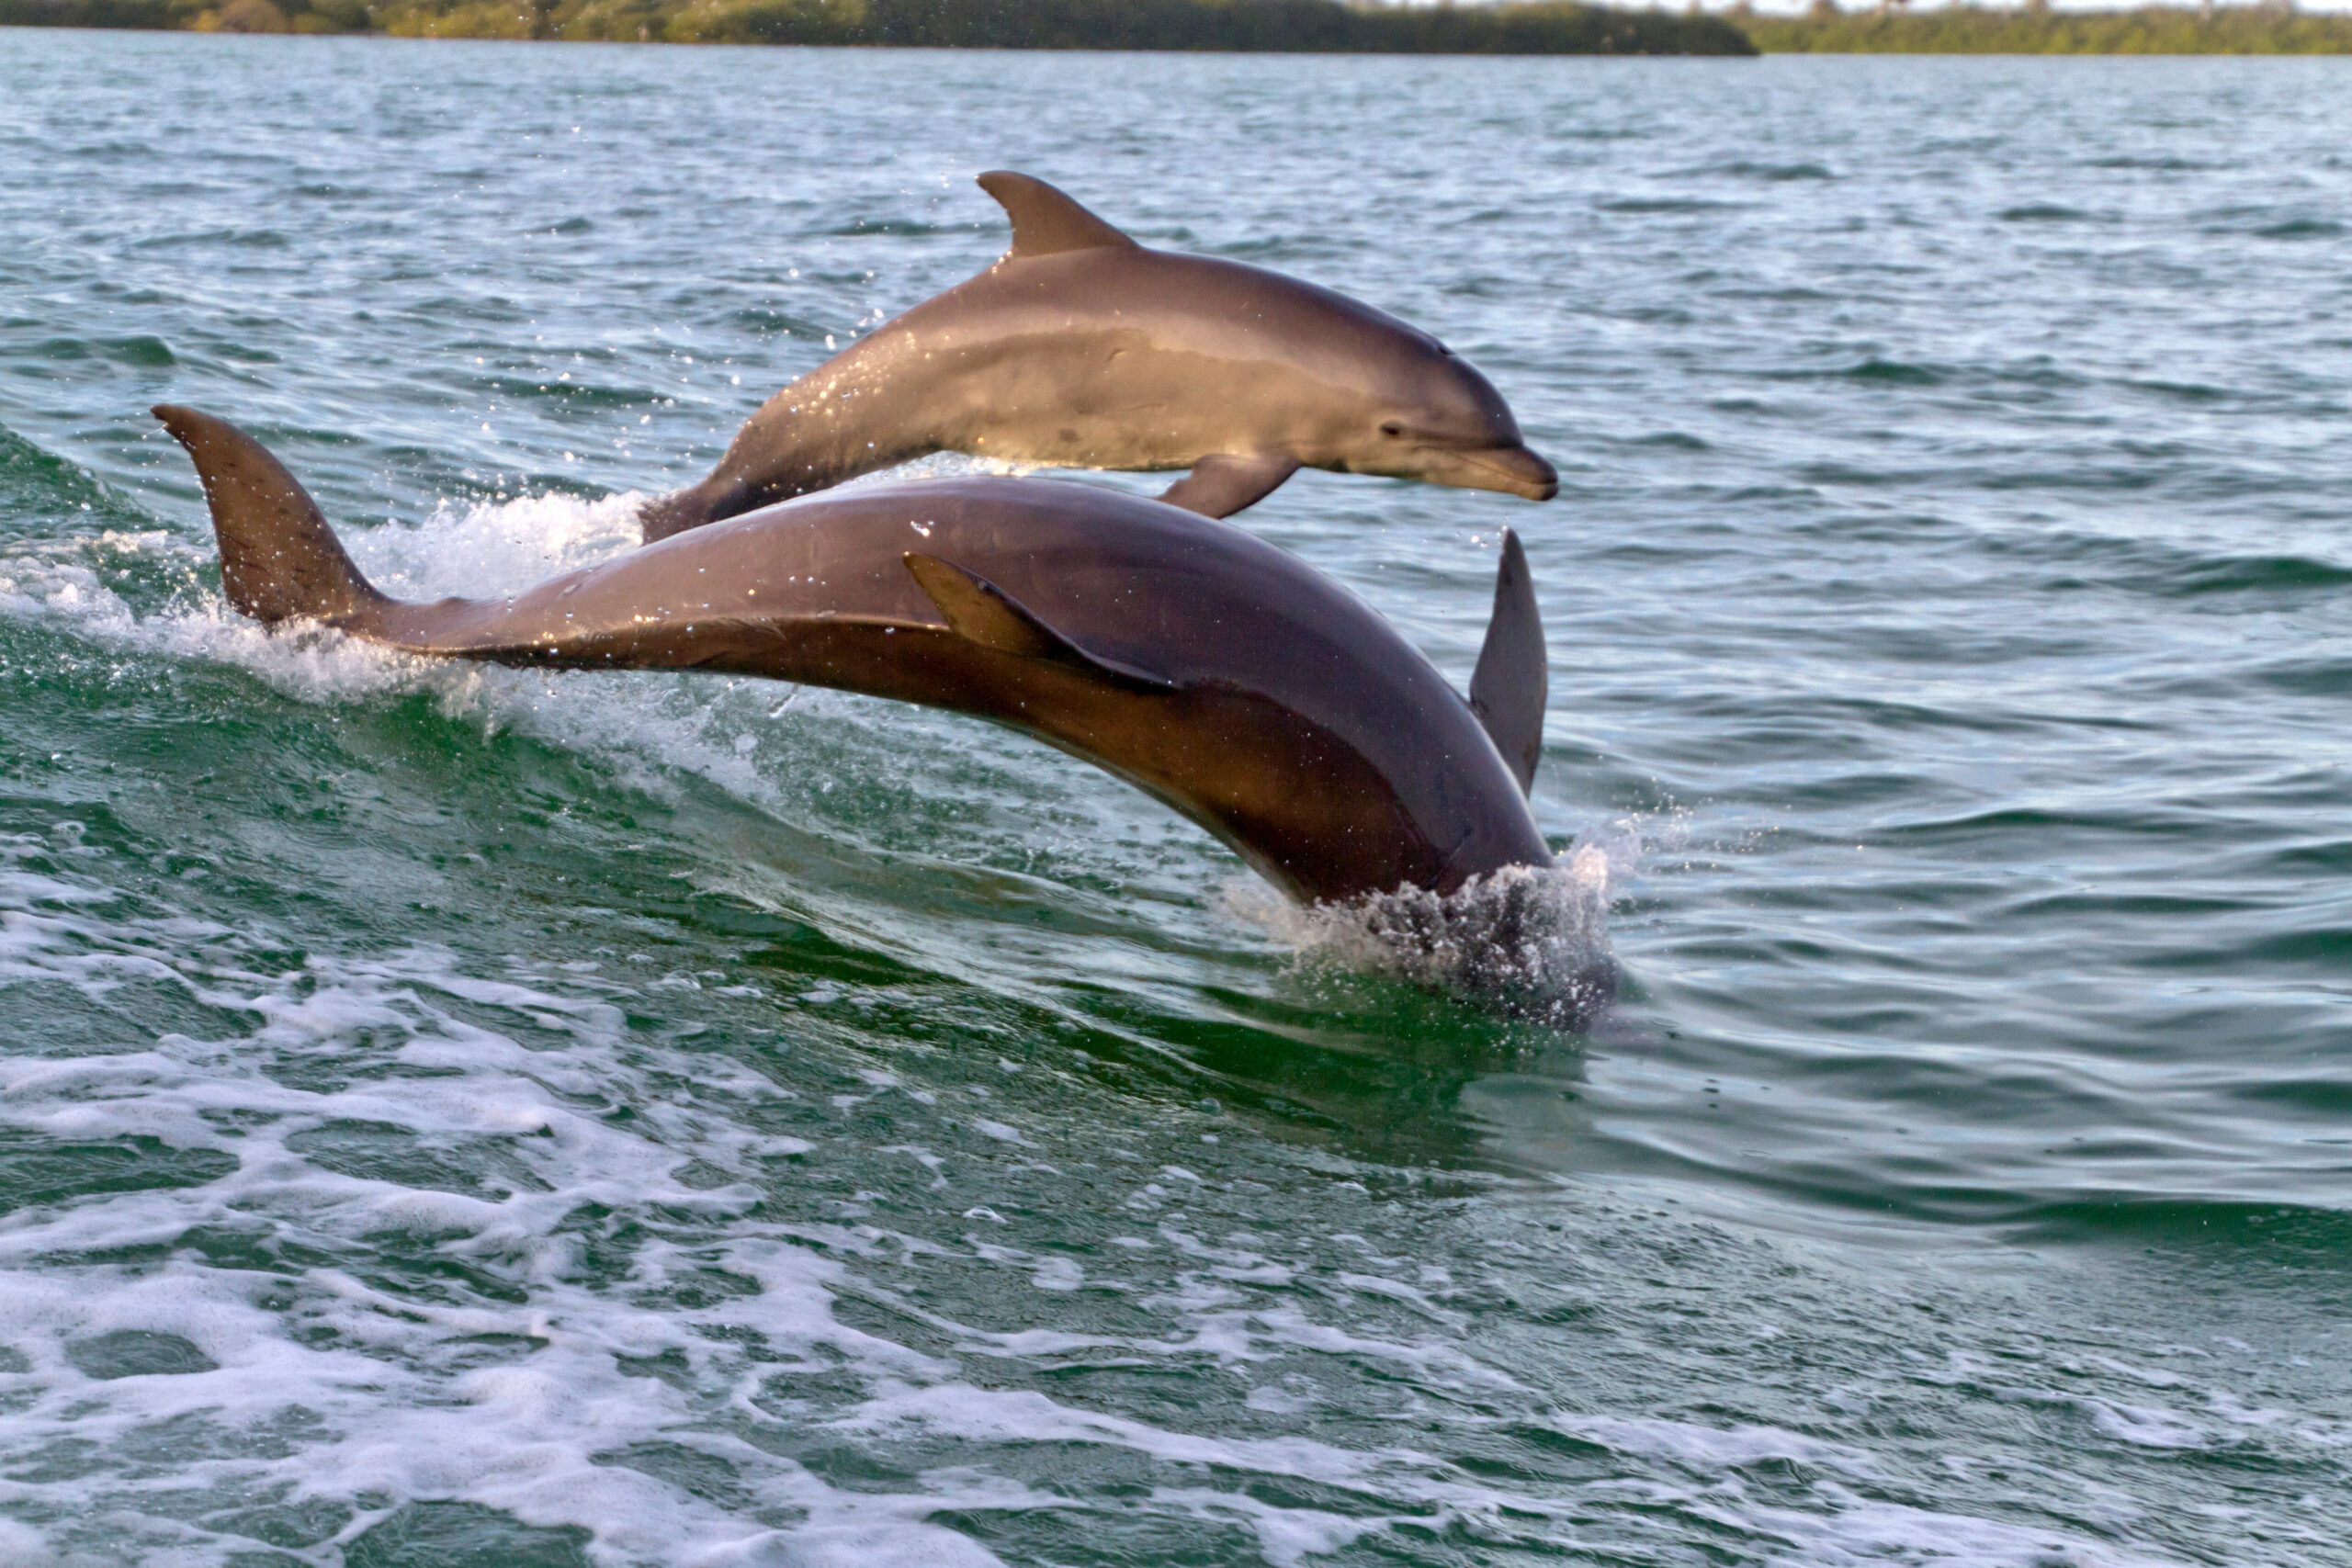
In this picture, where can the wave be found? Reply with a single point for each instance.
(486, 1261)
(39, 489)
(460, 1124)
(2181, 568)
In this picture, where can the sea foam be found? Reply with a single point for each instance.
(1531, 941)
(413, 1255)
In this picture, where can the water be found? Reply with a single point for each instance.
(462, 1116)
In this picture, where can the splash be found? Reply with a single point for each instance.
(485, 547)
(151, 591)
(780, 750)
(66, 585)
(1531, 942)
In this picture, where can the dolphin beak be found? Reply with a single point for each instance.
(1518, 470)
(1514, 471)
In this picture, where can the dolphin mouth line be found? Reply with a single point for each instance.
(1515, 469)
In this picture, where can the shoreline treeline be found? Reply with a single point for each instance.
(1360, 26)
(2272, 28)
(1544, 27)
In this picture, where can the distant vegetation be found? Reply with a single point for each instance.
(2271, 29)
(1544, 27)
(1305, 26)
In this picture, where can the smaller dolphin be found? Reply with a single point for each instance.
(1226, 677)
(1081, 349)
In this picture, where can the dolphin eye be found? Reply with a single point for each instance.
(1391, 427)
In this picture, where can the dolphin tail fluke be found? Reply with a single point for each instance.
(278, 558)
(1509, 689)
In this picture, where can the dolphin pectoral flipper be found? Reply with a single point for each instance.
(979, 612)
(1046, 222)
(280, 560)
(1511, 686)
(1222, 484)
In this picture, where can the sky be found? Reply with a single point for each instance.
(1791, 6)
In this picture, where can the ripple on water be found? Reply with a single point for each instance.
(662, 1118)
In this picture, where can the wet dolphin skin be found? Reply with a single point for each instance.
(1225, 677)
(1082, 349)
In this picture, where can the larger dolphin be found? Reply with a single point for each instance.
(1218, 673)
(1082, 349)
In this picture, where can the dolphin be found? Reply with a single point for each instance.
(1208, 668)
(1081, 349)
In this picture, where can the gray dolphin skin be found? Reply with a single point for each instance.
(1082, 349)
(1209, 669)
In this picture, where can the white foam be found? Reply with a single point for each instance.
(22, 1547)
(487, 548)
(340, 1377)
(1711, 1448)
(58, 586)
(1286, 1536)
(1864, 1532)
(1532, 940)
(650, 722)
(385, 1407)
(377, 1378)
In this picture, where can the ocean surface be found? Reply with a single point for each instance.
(462, 1116)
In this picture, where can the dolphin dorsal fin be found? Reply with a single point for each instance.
(979, 612)
(1045, 221)
(1509, 689)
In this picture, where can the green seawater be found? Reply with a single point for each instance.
(453, 1116)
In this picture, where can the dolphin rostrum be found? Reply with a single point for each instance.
(1081, 349)
(1224, 676)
